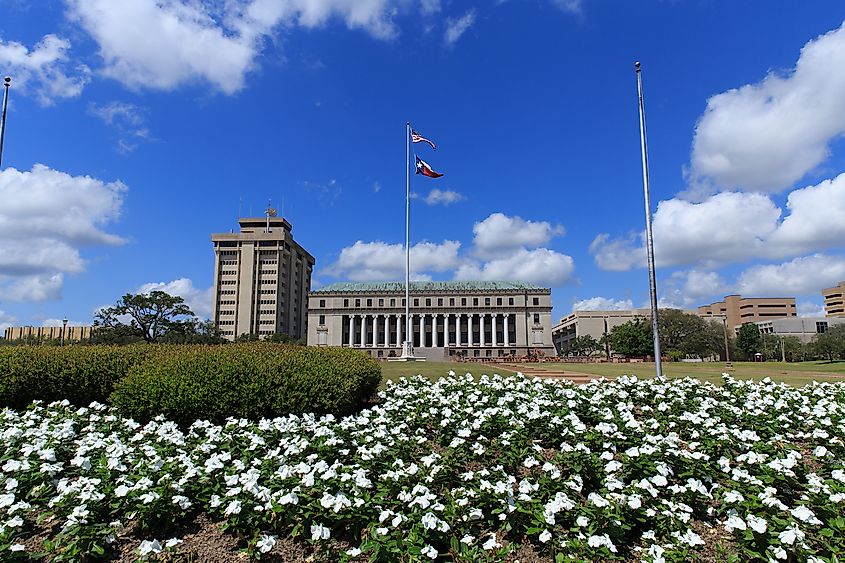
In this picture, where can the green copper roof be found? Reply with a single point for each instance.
(422, 286)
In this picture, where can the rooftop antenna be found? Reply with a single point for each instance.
(269, 212)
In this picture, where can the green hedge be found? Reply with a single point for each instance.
(247, 380)
(80, 374)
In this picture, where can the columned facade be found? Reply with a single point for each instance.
(483, 320)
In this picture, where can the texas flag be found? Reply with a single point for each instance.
(424, 169)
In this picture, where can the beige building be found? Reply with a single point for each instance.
(261, 279)
(44, 333)
(593, 323)
(474, 319)
(805, 328)
(738, 310)
(834, 300)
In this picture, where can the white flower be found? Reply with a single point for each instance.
(545, 536)
(148, 547)
(789, 535)
(602, 540)
(265, 543)
(734, 523)
(732, 497)
(17, 547)
(429, 551)
(779, 553)
(491, 543)
(172, 542)
(598, 500)
(805, 515)
(467, 539)
(582, 521)
(319, 532)
(353, 551)
(756, 523)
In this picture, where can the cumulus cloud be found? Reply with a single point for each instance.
(500, 233)
(603, 304)
(733, 227)
(458, 26)
(444, 197)
(687, 289)
(809, 309)
(212, 42)
(378, 261)
(6, 320)
(45, 70)
(800, 276)
(46, 218)
(60, 322)
(768, 135)
(200, 301)
(541, 266)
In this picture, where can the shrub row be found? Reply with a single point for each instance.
(189, 382)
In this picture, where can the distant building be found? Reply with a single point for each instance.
(805, 328)
(474, 319)
(738, 310)
(44, 333)
(261, 279)
(834, 300)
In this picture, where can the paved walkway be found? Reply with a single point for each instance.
(539, 370)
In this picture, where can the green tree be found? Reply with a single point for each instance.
(584, 345)
(831, 343)
(684, 334)
(147, 316)
(632, 339)
(749, 341)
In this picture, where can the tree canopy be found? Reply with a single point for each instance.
(145, 316)
(632, 339)
(749, 341)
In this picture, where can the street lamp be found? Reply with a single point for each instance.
(727, 346)
(64, 327)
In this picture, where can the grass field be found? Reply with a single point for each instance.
(797, 374)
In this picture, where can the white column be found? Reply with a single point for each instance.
(375, 331)
(507, 338)
(351, 330)
(446, 330)
(458, 330)
(481, 329)
(469, 330)
(386, 330)
(399, 330)
(493, 321)
(422, 330)
(434, 330)
(363, 330)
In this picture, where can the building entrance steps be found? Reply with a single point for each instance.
(539, 370)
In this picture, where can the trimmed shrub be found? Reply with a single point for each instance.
(252, 380)
(80, 374)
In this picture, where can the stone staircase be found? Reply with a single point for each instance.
(540, 370)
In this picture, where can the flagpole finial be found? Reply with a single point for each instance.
(637, 66)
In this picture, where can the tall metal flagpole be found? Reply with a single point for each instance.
(6, 83)
(408, 347)
(649, 241)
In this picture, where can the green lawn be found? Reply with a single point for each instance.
(796, 374)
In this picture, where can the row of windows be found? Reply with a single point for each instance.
(267, 282)
(428, 302)
(228, 282)
(231, 302)
(228, 262)
(227, 292)
(267, 302)
(268, 272)
(227, 323)
(321, 319)
(266, 312)
(270, 322)
(229, 272)
(267, 292)
(225, 312)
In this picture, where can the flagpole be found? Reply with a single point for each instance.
(6, 83)
(649, 241)
(408, 348)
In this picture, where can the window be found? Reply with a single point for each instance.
(369, 302)
(536, 318)
(416, 302)
(322, 320)
(322, 302)
(463, 301)
(536, 301)
(357, 302)
(439, 301)
(486, 301)
(821, 327)
(510, 300)
(403, 302)
(393, 302)
(451, 301)
(381, 302)
(428, 302)
(475, 301)
(499, 301)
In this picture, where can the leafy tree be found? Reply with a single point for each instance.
(283, 338)
(632, 339)
(197, 332)
(584, 345)
(147, 316)
(748, 340)
(684, 334)
(793, 349)
(831, 343)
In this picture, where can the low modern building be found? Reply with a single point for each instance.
(261, 279)
(44, 333)
(592, 323)
(738, 310)
(834, 300)
(486, 319)
(805, 328)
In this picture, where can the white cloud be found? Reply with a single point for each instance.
(164, 44)
(377, 261)
(6, 320)
(45, 70)
(809, 309)
(499, 233)
(127, 119)
(46, 218)
(572, 6)
(458, 26)
(800, 276)
(540, 266)
(734, 227)
(603, 304)
(446, 197)
(200, 301)
(60, 322)
(767, 136)
(686, 289)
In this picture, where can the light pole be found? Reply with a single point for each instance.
(727, 346)
(64, 327)
(6, 83)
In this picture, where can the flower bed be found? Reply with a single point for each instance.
(498, 469)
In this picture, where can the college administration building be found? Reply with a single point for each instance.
(474, 319)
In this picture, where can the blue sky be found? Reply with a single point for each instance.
(138, 128)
